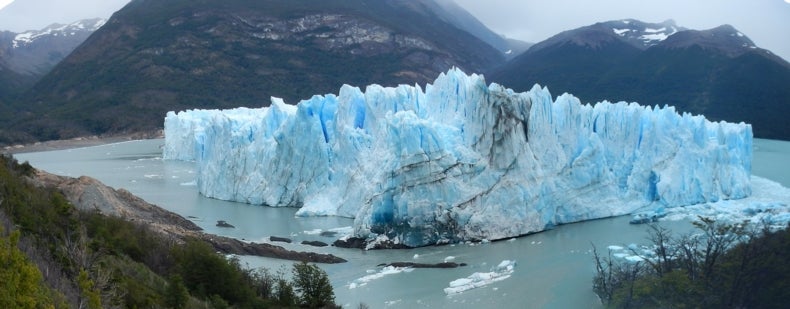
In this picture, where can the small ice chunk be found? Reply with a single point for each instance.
(634, 258)
(501, 272)
(386, 271)
(313, 232)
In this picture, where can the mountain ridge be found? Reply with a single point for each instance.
(35, 52)
(184, 55)
(27, 56)
(464, 20)
(154, 56)
(717, 72)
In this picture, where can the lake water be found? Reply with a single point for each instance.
(553, 268)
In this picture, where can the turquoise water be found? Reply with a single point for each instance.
(553, 268)
(772, 160)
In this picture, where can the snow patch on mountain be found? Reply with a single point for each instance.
(654, 37)
(28, 37)
(643, 34)
(620, 32)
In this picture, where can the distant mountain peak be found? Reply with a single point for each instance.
(724, 39)
(638, 34)
(717, 72)
(185, 54)
(34, 53)
(28, 37)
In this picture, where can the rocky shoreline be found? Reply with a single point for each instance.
(78, 142)
(89, 194)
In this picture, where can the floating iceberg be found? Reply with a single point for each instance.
(386, 271)
(461, 160)
(476, 280)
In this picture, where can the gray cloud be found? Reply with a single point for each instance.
(766, 22)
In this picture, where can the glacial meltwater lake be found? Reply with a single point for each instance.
(554, 269)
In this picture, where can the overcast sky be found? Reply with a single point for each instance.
(766, 22)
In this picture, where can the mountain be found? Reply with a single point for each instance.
(23, 15)
(10, 84)
(153, 56)
(461, 18)
(461, 160)
(35, 53)
(634, 33)
(27, 56)
(718, 72)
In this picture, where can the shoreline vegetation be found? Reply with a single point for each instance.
(88, 194)
(77, 243)
(125, 205)
(719, 265)
(79, 142)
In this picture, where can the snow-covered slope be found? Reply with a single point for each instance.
(55, 30)
(641, 34)
(461, 160)
(36, 52)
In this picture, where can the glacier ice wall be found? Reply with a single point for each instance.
(460, 160)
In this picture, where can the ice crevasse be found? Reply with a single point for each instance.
(460, 160)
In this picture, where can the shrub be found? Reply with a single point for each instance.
(176, 295)
(21, 283)
(313, 285)
(723, 266)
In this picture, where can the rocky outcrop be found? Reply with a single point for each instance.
(223, 223)
(314, 243)
(424, 265)
(280, 239)
(88, 194)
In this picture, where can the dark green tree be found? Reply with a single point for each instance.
(20, 280)
(285, 293)
(176, 295)
(90, 297)
(313, 285)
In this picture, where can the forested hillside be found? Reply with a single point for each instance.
(54, 255)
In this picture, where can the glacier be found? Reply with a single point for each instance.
(460, 160)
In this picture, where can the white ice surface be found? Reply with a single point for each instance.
(386, 271)
(476, 280)
(461, 160)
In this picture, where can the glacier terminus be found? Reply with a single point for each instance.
(460, 160)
